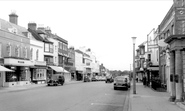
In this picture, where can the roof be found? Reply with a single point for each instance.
(5, 25)
(77, 50)
(38, 37)
(49, 34)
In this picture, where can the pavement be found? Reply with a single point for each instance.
(31, 86)
(147, 99)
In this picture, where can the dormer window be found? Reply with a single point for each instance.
(13, 30)
(29, 35)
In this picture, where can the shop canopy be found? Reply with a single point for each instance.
(2, 68)
(63, 70)
(59, 69)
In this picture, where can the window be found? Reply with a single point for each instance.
(46, 47)
(37, 54)
(31, 53)
(17, 51)
(83, 60)
(168, 33)
(51, 47)
(55, 59)
(0, 50)
(25, 52)
(172, 30)
(9, 49)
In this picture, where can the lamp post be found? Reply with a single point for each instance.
(134, 73)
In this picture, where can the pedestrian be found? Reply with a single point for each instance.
(144, 80)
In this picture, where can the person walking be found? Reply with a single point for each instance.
(144, 80)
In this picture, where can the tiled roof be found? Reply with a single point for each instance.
(78, 51)
(56, 37)
(5, 25)
(38, 37)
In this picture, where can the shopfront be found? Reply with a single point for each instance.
(38, 72)
(21, 72)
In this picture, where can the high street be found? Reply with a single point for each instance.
(91, 96)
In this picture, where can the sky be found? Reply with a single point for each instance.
(104, 26)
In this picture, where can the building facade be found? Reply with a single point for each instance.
(15, 48)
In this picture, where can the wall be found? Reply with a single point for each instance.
(78, 61)
(37, 45)
(14, 40)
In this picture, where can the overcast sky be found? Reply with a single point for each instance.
(105, 26)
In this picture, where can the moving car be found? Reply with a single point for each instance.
(87, 79)
(109, 79)
(56, 79)
(121, 82)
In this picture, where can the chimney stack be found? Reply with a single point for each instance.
(13, 18)
(32, 25)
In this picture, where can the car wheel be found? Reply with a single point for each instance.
(115, 88)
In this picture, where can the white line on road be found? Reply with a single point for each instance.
(105, 104)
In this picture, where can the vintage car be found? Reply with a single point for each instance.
(56, 79)
(109, 79)
(121, 82)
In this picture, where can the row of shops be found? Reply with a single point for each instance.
(24, 72)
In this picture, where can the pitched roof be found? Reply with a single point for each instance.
(5, 25)
(56, 37)
(38, 37)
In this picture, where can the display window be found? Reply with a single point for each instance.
(39, 74)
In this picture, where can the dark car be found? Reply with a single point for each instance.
(56, 79)
(109, 79)
(87, 79)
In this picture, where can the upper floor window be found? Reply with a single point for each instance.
(25, 52)
(31, 53)
(17, 51)
(172, 30)
(48, 47)
(0, 50)
(37, 54)
(9, 49)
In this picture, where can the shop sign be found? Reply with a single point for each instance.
(17, 62)
(40, 63)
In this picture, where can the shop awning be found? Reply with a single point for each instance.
(63, 70)
(2, 68)
(153, 68)
(57, 69)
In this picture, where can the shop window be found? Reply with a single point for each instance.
(11, 77)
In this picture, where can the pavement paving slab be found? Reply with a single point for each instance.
(146, 99)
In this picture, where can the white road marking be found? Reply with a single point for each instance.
(105, 104)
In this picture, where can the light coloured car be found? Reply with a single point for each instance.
(121, 82)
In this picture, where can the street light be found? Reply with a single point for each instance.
(134, 75)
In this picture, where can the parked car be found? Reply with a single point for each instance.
(87, 79)
(121, 82)
(109, 79)
(56, 79)
(93, 79)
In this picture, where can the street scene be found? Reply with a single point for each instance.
(92, 55)
(79, 96)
